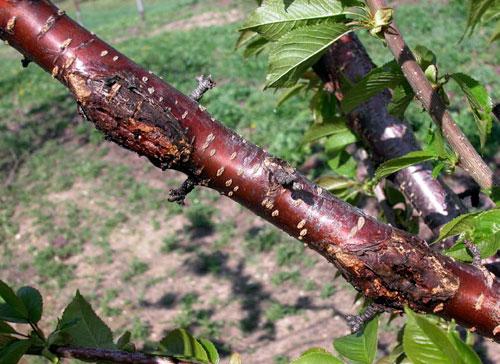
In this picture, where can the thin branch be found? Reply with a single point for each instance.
(386, 136)
(470, 160)
(112, 356)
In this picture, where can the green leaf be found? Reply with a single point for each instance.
(255, 47)
(317, 357)
(33, 301)
(466, 352)
(123, 340)
(401, 98)
(393, 165)
(458, 225)
(275, 18)
(245, 37)
(392, 357)
(482, 228)
(338, 141)
(424, 342)
(336, 183)
(181, 344)
(424, 56)
(360, 347)
(318, 131)
(290, 92)
(13, 352)
(496, 33)
(5, 328)
(213, 355)
(379, 79)
(17, 306)
(477, 8)
(479, 101)
(89, 331)
(298, 50)
(7, 313)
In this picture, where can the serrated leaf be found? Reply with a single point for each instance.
(5, 328)
(479, 101)
(317, 358)
(361, 347)
(298, 50)
(275, 18)
(17, 306)
(379, 79)
(181, 344)
(83, 327)
(424, 342)
(33, 301)
(393, 165)
(14, 351)
(212, 353)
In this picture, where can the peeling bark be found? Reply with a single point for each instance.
(387, 136)
(143, 113)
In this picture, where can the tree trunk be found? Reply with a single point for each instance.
(387, 136)
(140, 10)
(139, 111)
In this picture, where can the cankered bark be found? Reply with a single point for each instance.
(141, 112)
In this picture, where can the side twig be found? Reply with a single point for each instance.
(112, 356)
(470, 160)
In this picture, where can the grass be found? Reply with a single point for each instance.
(80, 213)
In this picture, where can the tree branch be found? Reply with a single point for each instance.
(145, 114)
(112, 356)
(385, 135)
(470, 160)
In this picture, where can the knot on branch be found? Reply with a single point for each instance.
(179, 194)
(357, 322)
(205, 83)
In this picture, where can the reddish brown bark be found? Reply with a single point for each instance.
(387, 136)
(145, 114)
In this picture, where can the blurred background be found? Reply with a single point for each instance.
(77, 212)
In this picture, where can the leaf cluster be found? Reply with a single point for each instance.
(79, 327)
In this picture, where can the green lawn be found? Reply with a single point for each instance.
(77, 212)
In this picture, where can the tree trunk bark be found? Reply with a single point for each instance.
(387, 136)
(140, 10)
(139, 111)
